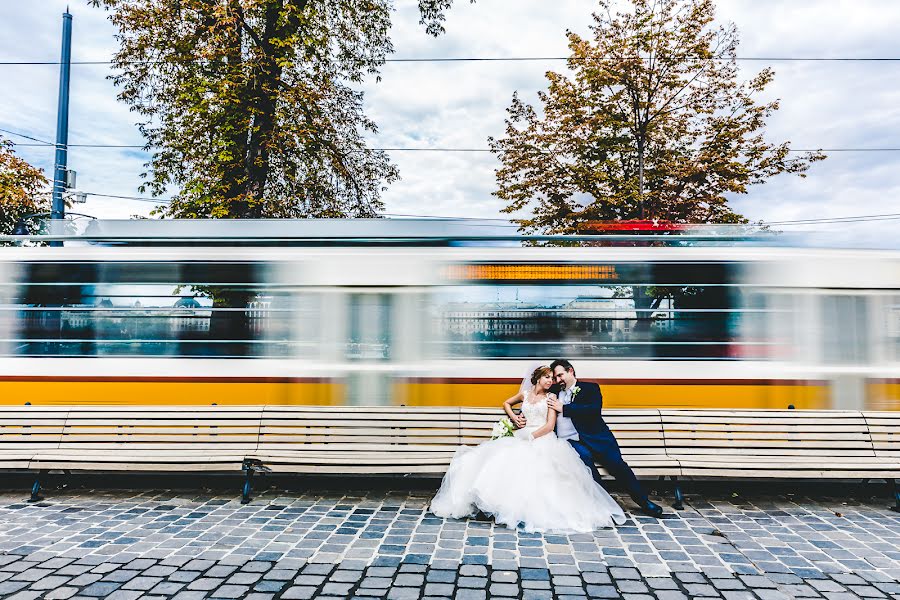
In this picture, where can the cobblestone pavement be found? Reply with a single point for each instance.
(186, 545)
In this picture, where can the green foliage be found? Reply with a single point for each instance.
(249, 107)
(23, 188)
(652, 123)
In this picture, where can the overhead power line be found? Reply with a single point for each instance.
(462, 150)
(137, 198)
(120, 146)
(825, 220)
(506, 222)
(452, 59)
(717, 59)
(27, 137)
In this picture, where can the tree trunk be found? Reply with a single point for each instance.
(640, 148)
(264, 94)
(235, 171)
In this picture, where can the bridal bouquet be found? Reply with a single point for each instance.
(502, 428)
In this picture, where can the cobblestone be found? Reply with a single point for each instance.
(159, 544)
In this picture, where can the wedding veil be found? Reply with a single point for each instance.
(526, 385)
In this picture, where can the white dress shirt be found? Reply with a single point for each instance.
(565, 429)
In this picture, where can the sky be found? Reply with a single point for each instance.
(824, 104)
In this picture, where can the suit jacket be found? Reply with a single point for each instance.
(585, 410)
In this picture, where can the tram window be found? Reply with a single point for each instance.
(7, 308)
(304, 332)
(45, 325)
(150, 309)
(845, 329)
(772, 326)
(589, 321)
(369, 329)
(893, 329)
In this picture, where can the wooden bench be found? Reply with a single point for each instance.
(884, 427)
(357, 440)
(787, 444)
(639, 433)
(422, 440)
(413, 440)
(27, 430)
(150, 439)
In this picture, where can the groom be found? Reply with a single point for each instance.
(580, 422)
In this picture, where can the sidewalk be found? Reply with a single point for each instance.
(187, 545)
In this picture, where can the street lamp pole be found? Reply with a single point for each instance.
(58, 208)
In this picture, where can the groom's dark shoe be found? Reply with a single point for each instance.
(648, 507)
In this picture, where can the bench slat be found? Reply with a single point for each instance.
(382, 439)
(353, 447)
(357, 470)
(370, 429)
(786, 474)
(178, 466)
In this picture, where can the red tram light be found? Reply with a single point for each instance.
(632, 226)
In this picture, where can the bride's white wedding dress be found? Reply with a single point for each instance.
(539, 485)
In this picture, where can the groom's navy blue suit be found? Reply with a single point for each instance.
(596, 442)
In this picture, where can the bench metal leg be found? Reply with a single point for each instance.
(245, 493)
(36, 489)
(251, 466)
(679, 496)
(896, 506)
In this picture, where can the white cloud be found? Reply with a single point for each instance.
(458, 105)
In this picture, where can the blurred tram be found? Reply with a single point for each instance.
(256, 314)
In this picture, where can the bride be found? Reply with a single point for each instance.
(533, 479)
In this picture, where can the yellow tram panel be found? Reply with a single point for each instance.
(883, 394)
(169, 392)
(624, 394)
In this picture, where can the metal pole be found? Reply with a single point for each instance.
(58, 208)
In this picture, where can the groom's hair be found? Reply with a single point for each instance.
(561, 362)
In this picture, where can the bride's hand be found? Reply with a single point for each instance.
(519, 421)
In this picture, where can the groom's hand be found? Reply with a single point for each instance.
(519, 421)
(555, 404)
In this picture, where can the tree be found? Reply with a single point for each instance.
(250, 110)
(23, 188)
(248, 106)
(653, 123)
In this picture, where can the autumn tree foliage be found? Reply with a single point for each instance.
(251, 108)
(651, 122)
(23, 188)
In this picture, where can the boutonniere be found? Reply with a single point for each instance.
(575, 391)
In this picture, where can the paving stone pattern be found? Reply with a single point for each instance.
(151, 544)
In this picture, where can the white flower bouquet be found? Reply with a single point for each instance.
(502, 428)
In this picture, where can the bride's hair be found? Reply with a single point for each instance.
(540, 372)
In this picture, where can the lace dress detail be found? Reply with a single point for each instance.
(536, 484)
(535, 413)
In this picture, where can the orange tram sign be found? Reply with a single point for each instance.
(520, 272)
